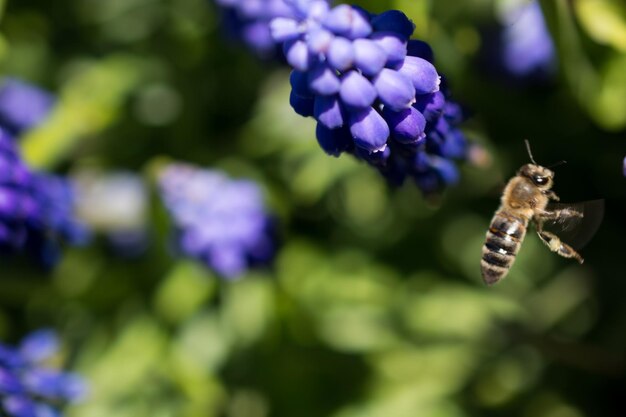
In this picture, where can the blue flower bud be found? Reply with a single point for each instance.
(340, 54)
(369, 129)
(407, 126)
(347, 21)
(301, 105)
(300, 83)
(327, 111)
(284, 29)
(335, 141)
(430, 105)
(422, 74)
(394, 21)
(323, 80)
(394, 46)
(368, 56)
(297, 54)
(394, 89)
(420, 49)
(356, 90)
(319, 40)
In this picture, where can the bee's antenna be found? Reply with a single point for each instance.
(556, 164)
(529, 152)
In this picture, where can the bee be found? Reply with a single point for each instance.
(525, 199)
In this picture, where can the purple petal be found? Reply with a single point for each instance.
(284, 29)
(422, 74)
(339, 19)
(323, 80)
(300, 83)
(407, 126)
(368, 56)
(19, 406)
(258, 36)
(356, 90)
(369, 130)
(340, 54)
(393, 45)
(327, 111)
(394, 89)
(334, 141)
(359, 26)
(348, 21)
(301, 105)
(420, 49)
(39, 345)
(297, 54)
(394, 21)
(319, 40)
(430, 105)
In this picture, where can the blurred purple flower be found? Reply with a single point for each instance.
(36, 209)
(248, 21)
(521, 48)
(22, 105)
(27, 387)
(218, 220)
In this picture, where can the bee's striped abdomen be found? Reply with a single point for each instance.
(503, 241)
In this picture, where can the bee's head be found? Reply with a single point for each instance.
(540, 176)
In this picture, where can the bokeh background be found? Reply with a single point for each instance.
(374, 305)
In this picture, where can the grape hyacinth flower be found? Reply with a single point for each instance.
(36, 209)
(28, 388)
(374, 92)
(218, 220)
(22, 105)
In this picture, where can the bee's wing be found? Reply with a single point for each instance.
(577, 231)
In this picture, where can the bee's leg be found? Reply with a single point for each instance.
(555, 245)
(552, 195)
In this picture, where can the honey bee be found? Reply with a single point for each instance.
(525, 199)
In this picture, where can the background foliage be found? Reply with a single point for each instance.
(374, 306)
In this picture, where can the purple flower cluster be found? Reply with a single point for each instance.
(248, 21)
(374, 93)
(22, 105)
(219, 221)
(36, 209)
(27, 387)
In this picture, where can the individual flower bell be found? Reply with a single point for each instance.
(218, 220)
(28, 387)
(22, 105)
